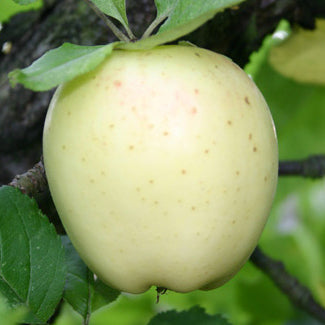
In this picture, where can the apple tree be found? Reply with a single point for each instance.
(142, 195)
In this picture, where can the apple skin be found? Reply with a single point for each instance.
(163, 166)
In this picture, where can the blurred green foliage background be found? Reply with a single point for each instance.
(8, 8)
(296, 227)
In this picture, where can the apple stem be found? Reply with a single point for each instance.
(160, 291)
(154, 24)
(111, 25)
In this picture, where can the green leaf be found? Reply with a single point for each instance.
(196, 315)
(295, 232)
(184, 16)
(306, 50)
(60, 65)
(113, 8)
(77, 287)
(24, 2)
(82, 292)
(103, 295)
(32, 257)
(9, 316)
(258, 59)
(164, 8)
(8, 8)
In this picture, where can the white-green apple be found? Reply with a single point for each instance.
(162, 165)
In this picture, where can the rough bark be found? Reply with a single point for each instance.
(236, 32)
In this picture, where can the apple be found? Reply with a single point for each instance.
(163, 165)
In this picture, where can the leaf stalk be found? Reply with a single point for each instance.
(122, 37)
(157, 21)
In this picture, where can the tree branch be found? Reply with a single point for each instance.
(311, 167)
(299, 295)
(33, 182)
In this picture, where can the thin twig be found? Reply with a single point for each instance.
(109, 23)
(299, 295)
(312, 167)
